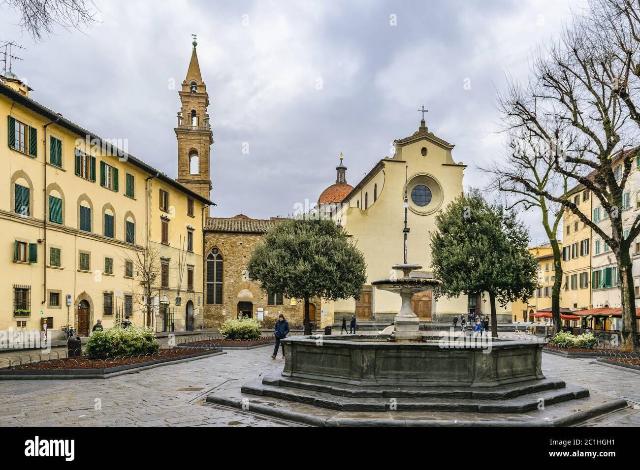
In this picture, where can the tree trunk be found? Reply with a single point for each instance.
(307, 319)
(629, 320)
(557, 285)
(494, 315)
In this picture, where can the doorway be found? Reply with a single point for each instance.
(422, 303)
(84, 318)
(190, 320)
(364, 311)
(245, 310)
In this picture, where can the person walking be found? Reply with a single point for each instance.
(486, 324)
(344, 326)
(98, 326)
(281, 332)
(463, 324)
(455, 323)
(354, 325)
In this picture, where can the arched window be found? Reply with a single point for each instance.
(130, 230)
(194, 87)
(109, 223)
(85, 214)
(194, 163)
(22, 194)
(56, 208)
(214, 277)
(375, 193)
(366, 201)
(194, 118)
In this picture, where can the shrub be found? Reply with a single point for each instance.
(239, 330)
(119, 342)
(567, 340)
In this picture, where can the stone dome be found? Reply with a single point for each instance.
(337, 193)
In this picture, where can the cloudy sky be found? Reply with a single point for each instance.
(294, 82)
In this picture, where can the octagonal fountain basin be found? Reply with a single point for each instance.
(378, 361)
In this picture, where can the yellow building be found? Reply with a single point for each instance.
(524, 311)
(373, 214)
(576, 254)
(76, 215)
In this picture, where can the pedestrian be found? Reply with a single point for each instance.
(455, 323)
(463, 324)
(354, 325)
(98, 326)
(281, 332)
(126, 323)
(486, 324)
(344, 326)
(478, 328)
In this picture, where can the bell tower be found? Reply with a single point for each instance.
(194, 133)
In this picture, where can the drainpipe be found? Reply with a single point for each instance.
(46, 218)
(147, 197)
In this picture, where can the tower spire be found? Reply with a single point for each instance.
(194, 74)
(342, 171)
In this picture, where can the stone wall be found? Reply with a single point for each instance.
(236, 250)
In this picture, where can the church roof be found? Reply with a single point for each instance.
(424, 133)
(241, 224)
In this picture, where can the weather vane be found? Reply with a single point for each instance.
(195, 40)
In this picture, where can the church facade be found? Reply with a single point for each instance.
(423, 172)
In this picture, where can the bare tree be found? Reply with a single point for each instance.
(530, 170)
(579, 83)
(147, 270)
(39, 16)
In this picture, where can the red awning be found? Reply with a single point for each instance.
(566, 317)
(604, 312)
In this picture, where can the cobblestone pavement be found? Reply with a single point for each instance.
(174, 395)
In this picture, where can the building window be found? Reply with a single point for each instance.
(54, 299)
(194, 163)
(55, 257)
(164, 274)
(84, 261)
(275, 299)
(190, 207)
(85, 219)
(585, 196)
(109, 225)
(55, 152)
(375, 193)
(194, 87)
(55, 210)
(165, 232)
(626, 201)
(108, 266)
(109, 177)
(421, 196)
(214, 278)
(366, 201)
(85, 166)
(22, 205)
(596, 215)
(597, 247)
(130, 190)
(190, 241)
(21, 252)
(108, 303)
(574, 282)
(584, 280)
(128, 269)
(164, 201)
(130, 232)
(190, 278)
(23, 138)
(194, 118)
(21, 301)
(128, 305)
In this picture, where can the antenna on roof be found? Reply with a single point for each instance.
(8, 57)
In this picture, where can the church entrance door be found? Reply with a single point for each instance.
(422, 305)
(364, 310)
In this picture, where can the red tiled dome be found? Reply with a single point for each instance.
(335, 194)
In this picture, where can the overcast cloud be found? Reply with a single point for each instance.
(298, 81)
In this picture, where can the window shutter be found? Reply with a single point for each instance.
(16, 251)
(130, 185)
(33, 253)
(92, 175)
(78, 162)
(33, 141)
(103, 178)
(21, 200)
(116, 185)
(12, 132)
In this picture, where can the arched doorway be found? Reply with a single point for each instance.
(84, 318)
(190, 320)
(245, 310)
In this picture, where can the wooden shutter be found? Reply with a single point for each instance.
(130, 185)
(33, 142)
(114, 175)
(103, 176)
(92, 174)
(12, 132)
(55, 210)
(33, 253)
(16, 251)
(78, 163)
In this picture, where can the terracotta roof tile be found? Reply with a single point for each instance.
(335, 194)
(241, 224)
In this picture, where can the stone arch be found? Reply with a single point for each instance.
(194, 162)
(108, 209)
(22, 178)
(80, 323)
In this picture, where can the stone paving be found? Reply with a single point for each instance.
(174, 395)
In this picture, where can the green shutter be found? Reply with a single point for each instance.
(78, 162)
(21, 200)
(12, 132)
(55, 210)
(33, 141)
(92, 175)
(116, 185)
(33, 253)
(103, 179)
(608, 278)
(55, 152)
(16, 251)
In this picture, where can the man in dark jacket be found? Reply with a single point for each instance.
(344, 326)
(281, 332)
(98, 326)
(486, 324)
(354, 325)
